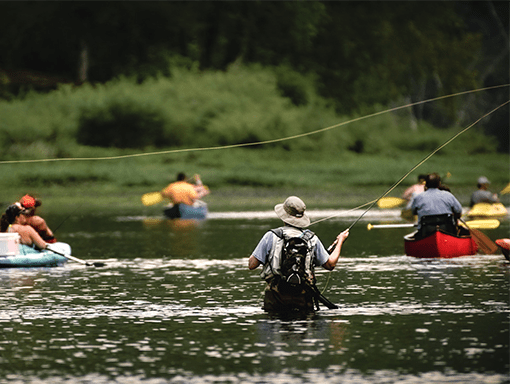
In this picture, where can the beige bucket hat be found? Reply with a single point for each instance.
(292, 212)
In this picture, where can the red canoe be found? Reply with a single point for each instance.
(504, 244)
(439, 244)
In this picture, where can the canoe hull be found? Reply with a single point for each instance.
(504, 245)
(441, 245)
(28, 257)
(196, 211)
(488, 210)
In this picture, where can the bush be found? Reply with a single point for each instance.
(122, 125)
(194, 109)
(298, 88)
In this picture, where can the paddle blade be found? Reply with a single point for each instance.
(152, 198)
(390, 202)
(98, 264)
(485, 245)
(506, 190)
(483, 224)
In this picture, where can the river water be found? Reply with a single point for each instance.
(176, 303)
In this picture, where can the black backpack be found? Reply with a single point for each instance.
(294, 251)
(293, 271)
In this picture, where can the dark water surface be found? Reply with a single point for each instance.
(177, 304)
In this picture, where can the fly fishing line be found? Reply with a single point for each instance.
(371, 204)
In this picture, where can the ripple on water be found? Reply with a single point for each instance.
(336, 374)
(134, 316)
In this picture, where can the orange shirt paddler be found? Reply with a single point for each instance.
(181, 192)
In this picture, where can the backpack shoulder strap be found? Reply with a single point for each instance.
(307, 235)
(278, 232)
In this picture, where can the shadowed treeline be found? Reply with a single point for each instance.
(354, 54)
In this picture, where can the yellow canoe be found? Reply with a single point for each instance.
(488, 210)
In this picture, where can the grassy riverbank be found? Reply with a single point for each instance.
(244, 179)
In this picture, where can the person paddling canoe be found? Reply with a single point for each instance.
(482, 194)
(289, 255)
(436, 208)
(415, 189)
(183, 192)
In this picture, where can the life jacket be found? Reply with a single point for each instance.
(291, 257)
(432, 223)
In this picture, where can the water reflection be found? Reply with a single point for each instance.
(177, 225)
(181, 234)
(304, 337)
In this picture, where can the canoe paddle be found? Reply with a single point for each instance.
(482, 224)
(390, 202)
(152, 198)
(472, 224)
(485, 244)
(387, 226)
(76, 259)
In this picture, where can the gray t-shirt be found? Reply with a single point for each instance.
(435, 202)
(483, 196)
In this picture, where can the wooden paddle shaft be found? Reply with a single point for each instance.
(370, 226)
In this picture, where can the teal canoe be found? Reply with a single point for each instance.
(15, 255)
(196, 211)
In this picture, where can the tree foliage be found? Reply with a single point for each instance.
(359, 53)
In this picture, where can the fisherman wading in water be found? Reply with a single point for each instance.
(289, 255)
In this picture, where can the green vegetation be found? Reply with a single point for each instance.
(206, 109)
(360, 56)
(189, 117)
(243, 179)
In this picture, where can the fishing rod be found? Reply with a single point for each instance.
(394, 185)
(68, 216)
